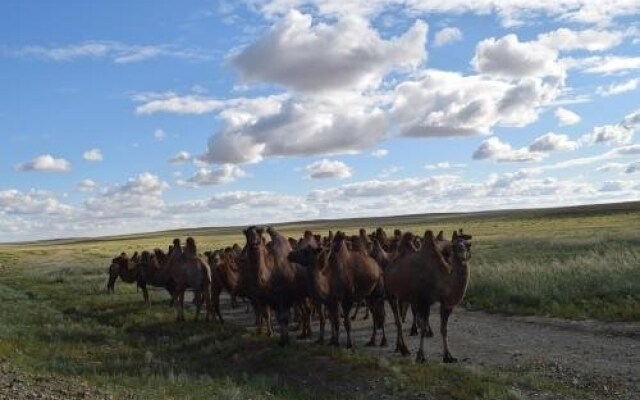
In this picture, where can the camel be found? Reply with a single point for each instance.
(288, 286)
(189, 270)
(341, 278)
(125, 268)
(258, 263)
(424, 278)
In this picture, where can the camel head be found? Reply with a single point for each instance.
(440, 237)
(160, 257)
(397, 234)
(406, 244)
(177, 247)
(253, 235)
(461, 246)
(305, 256)
(214, 257)
(190, 246)
(377, 252)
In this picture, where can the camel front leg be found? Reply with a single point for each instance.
(111, 284)
(282, 315)
(400, 345)
(334, 317)
(215, 303)
(445, 312)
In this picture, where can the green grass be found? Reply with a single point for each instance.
(56, 319)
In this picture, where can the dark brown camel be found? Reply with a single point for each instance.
(258, 264)
(126, 269)
(138, 270)
(424, 278)
(189, 271)
(339, 279)
(289, 286)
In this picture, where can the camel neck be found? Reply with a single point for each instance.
(258, 257)
(460, 280)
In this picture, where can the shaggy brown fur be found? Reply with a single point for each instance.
(189, 270)
(424, 278)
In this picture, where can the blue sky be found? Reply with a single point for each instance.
(120, 117)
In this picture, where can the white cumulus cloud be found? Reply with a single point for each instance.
(447, 35)
(45, 163)
(305, 56)
(567, 117)
(326, 168)
(495, 149)
(552, 142)
(219, 175)
(92, 155)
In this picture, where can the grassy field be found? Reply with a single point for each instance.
(56, 319)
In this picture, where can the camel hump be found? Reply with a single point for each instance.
(190, 247)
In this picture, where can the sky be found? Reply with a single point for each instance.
(120, 116)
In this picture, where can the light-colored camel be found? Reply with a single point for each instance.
(424, 278)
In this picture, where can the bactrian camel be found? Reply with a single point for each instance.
(424, 278)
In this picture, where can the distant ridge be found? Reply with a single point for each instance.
(587, 209)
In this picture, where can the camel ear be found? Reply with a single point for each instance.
(454, 236)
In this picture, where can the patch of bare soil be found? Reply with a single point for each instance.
(18, 385)
(599, 357)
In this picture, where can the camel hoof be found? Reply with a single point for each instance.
(366, 317)
(319, 341)
(383, 342)
(429, 334)
(334, 342)
(404, 351)
(370, 343)
(413, 331)
(449, 359)
(420, 357)
(349, 346)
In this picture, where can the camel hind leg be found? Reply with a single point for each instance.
(422, 317)
(322, 320)
(346, 308)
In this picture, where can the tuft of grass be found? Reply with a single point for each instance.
(602, 282)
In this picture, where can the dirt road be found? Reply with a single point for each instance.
(601, 357)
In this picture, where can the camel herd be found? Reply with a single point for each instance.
(315, 277)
